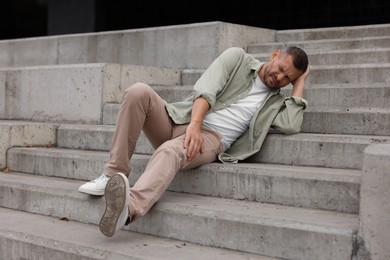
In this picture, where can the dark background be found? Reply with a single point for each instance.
(28, 18)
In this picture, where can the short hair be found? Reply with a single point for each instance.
(299, 57)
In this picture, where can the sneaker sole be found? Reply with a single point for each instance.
(117, 199)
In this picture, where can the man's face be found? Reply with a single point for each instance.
(279, 71)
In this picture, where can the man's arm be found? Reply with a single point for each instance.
(289, 119)
(193, 141)
(299, 84)
(205, 93)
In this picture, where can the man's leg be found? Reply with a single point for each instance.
(165, 162)
(141, 109)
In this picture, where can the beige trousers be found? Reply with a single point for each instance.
(143, 110)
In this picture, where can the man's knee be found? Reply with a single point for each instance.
(138, 90)
(174, 146)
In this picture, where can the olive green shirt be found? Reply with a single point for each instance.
(230, 78)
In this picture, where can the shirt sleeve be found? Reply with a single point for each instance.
(290, 117)
(217, 75)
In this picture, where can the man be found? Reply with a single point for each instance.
(227, 117)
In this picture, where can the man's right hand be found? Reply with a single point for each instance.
(193, 141)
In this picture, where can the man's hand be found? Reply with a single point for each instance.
(299, 83)
(193, 141)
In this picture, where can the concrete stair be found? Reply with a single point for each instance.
(298, 198)
(27, 241)
(311, 187)
(245, 226)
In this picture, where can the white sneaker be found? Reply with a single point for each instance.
(117, 196)
(95, 187)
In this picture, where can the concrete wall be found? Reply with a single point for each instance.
(71, 93)
(182, 46)
(374, 230)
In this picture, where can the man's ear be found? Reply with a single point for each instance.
(274, 54)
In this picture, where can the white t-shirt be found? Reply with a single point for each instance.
(232, 121)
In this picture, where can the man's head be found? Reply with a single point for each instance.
(284, 67)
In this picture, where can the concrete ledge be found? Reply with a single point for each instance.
(322, 150)
(374, 230)
(328, 74)
(54, 94)
(359, 121)
(323, 45)
(168, 93)
(71, 93)
(24, 134)
(181, 46)
(130, 74)
(344, 95)
(85, 137)
(333, 32)
(343, 57)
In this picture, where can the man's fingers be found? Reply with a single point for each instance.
(186, 142)
(193, 150)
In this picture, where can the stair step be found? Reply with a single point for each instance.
(24, 133)
(342, 57)
(306, 149)
(310, 187)
(265, 229)
(58, 162)
(326, 74)
(332, 95)
(94, 137)
(88, 137)
(324, 45)
(333, 33)
(321, 150)
(336, 94)
(352, 120)
(318, 95)
(345, 95)
(55, 238)
(335, 120)
(330, 120)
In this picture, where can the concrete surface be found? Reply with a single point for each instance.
(374, 222)
(17, 133)
(310, 187)
(55, 238)
(180, 46)
(71, 93)
(267, 229)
